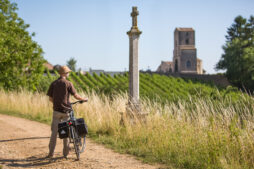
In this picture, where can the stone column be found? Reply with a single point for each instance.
(134, 34)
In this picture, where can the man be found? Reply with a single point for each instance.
(59, 94)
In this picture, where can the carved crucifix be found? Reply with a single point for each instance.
(134, 15)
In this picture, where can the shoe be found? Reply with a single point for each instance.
(65, 157)
(49, 156)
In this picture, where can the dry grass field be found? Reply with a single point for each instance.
(201, 133)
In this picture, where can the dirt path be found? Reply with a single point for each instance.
(24, 144)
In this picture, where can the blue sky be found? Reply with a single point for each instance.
(94, 31)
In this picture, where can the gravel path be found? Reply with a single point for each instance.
(24, 144)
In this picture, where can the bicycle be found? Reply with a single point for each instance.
(75, 130)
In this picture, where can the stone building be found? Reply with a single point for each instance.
(185, 54)
(165, 67)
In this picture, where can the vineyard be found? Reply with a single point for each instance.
(155, 87)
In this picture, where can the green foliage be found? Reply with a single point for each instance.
(87, 81)
(72, 64)
(154, 87)
(44, 84)
(79, 81)
(45, 81)
(21, 61)
(238, 57)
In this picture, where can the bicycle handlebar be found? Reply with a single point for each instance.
(80, 101)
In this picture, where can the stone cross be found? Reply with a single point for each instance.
(133, 61)
(134, 15)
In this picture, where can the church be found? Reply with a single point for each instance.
(185, 54)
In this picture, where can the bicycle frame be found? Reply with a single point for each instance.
(71, 123)
(74, 138)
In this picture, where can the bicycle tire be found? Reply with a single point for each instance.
(83, 144)
(76, 142)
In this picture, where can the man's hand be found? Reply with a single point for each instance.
(85, 99)
(78, 97)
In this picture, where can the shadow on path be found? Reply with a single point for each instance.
(32, 161)
(29, 138)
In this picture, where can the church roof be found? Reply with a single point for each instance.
(166, 62)
(184, 29)
(48, 65)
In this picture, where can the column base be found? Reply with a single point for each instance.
(133, 115)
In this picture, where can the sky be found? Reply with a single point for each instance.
(94, 31)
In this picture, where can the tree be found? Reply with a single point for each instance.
(21, 61)
(72, 64)
(238, 57)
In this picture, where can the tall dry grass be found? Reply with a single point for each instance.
(199, 133)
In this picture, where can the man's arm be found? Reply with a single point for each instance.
(78, 97)
(50, 92)
(75, 94)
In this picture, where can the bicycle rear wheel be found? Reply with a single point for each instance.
(76, 142)
(82, 144)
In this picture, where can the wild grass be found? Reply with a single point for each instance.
(200, 133)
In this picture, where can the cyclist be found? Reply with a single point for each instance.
(59, 94)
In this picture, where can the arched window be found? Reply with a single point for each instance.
(188, 64)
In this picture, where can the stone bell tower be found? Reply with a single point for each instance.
(185, 52)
